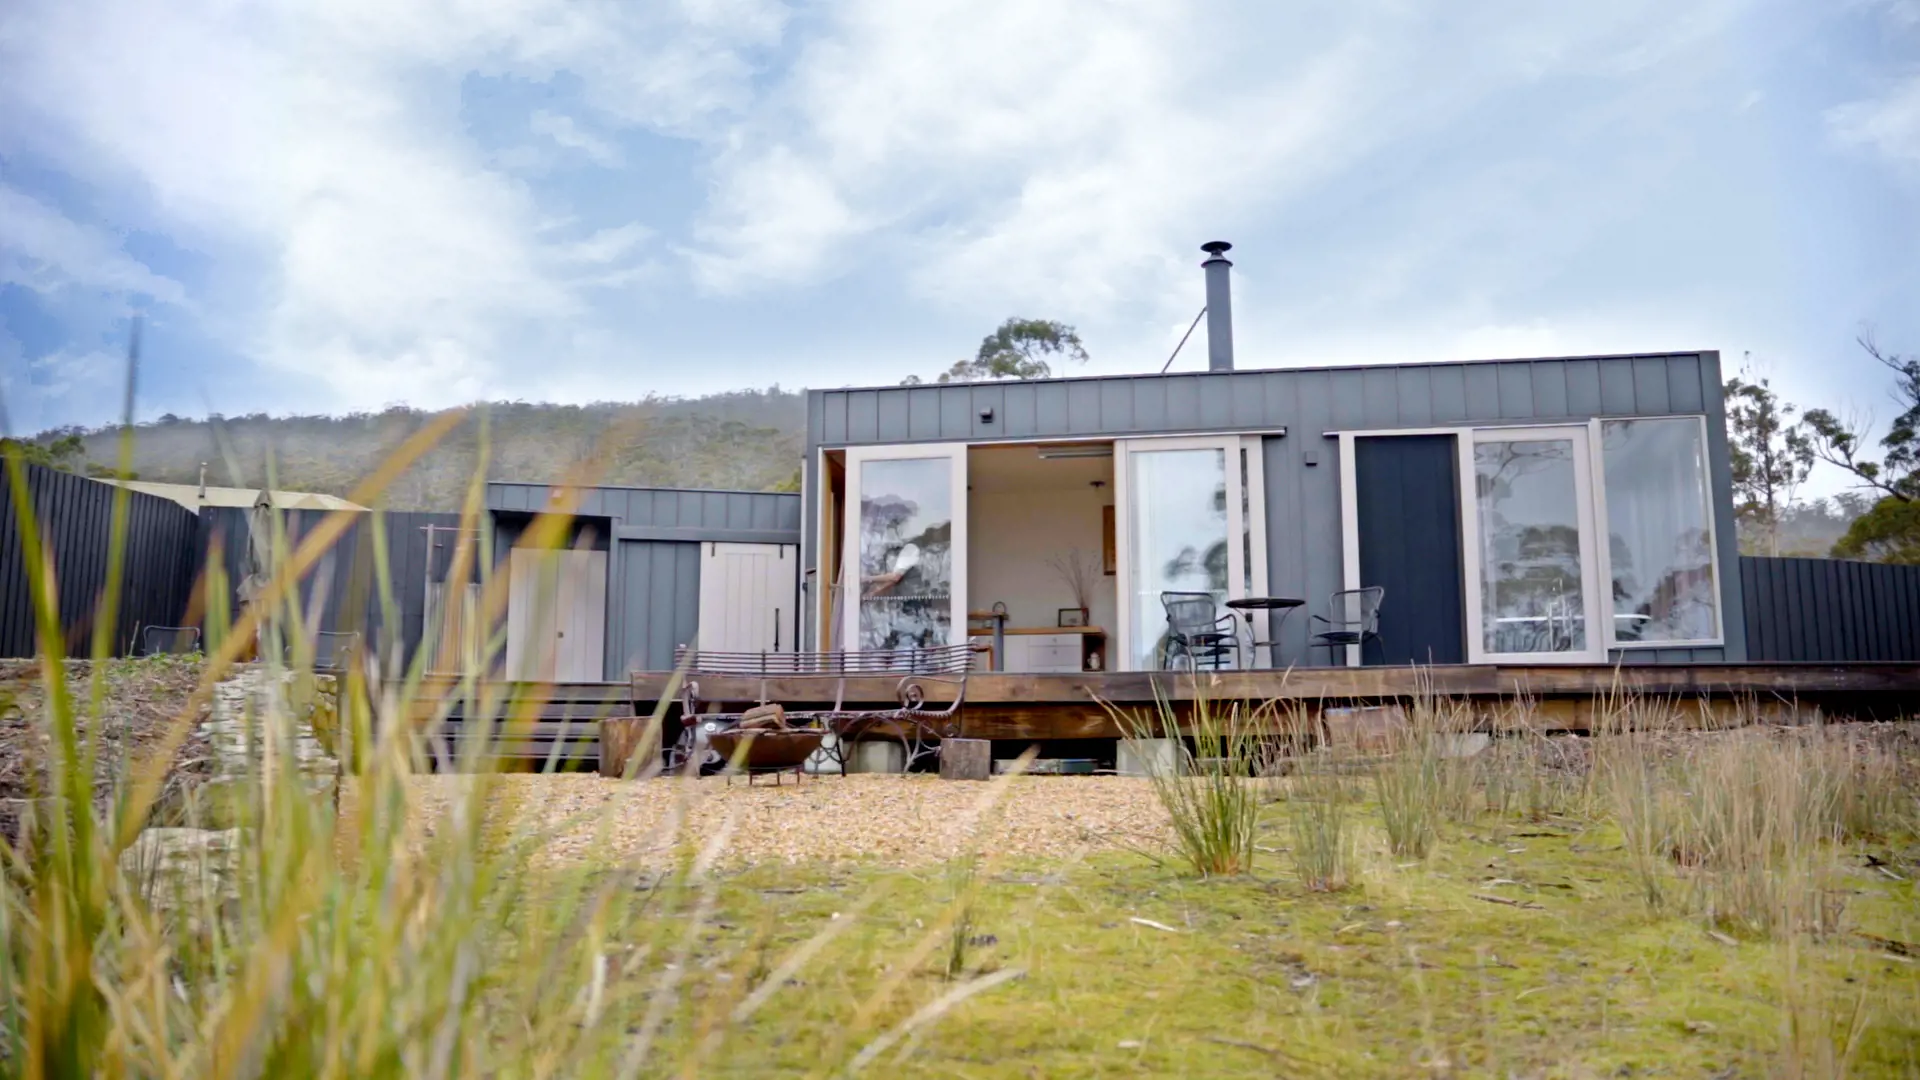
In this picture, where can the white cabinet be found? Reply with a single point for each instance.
(1043, 652)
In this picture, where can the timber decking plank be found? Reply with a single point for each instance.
(1136, 688)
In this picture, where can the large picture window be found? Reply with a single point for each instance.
(1659, 523)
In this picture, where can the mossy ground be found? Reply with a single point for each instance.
(1407, 972)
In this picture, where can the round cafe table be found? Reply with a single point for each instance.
(1247, 605)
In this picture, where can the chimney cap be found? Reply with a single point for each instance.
(1216, 248)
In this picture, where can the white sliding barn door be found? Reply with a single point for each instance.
(556, 615)
(747, 597)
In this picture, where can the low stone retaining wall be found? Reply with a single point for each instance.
(180, 866)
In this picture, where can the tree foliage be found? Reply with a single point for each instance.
(1890, 531)
(1019, 349)
(1770, 455)
(64, 449)
(747, 440)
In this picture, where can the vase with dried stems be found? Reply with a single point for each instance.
(1078, 570)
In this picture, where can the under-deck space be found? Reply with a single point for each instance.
(1077, 706)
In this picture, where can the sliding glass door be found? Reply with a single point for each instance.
(904, 566)
(1191, 513)
(1532, 588)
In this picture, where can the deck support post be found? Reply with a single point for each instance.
(1147, 757)
(621, 739)
(966, 759)
(878, 756)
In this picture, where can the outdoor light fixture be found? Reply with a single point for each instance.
(1076, 452)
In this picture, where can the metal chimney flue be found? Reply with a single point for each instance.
(1219, 306)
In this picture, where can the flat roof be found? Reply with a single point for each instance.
(1290, 369)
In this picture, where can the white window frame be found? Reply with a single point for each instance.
(1600, 565)
(858, 456)
(1590, 539)
(1253, 524)
(1598, 468)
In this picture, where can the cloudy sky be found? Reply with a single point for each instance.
(341, 205)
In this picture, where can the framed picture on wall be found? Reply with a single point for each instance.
(1109, 558)
(1073, 616)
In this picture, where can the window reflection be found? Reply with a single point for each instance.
(906, 544)
(1529, 547)
(1659, 531)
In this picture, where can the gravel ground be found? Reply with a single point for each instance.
(893, 820)
(143, 699)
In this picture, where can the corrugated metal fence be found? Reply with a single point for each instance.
(1830, 610)
(341, 592)
(75, 518)
(168, 545)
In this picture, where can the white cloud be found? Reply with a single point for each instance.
(607, 245)
(564, 132)
(67, 386)
(325, 142)
(43, 250)
(1073, 154)
(1889, 124)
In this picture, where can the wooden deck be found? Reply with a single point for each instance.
(1075, 706)
(561, 721)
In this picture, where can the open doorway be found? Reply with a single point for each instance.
(1041, 547)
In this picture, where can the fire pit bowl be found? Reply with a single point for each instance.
(766, 751)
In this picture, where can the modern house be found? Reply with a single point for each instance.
(1542, 524)
(1567, 510)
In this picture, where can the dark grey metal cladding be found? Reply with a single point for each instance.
(74, 517)
(1303, 501)
(1830, 610)
(655, 588)
(1378, 396)
(668, 513)
(354, 596)
(653, 576)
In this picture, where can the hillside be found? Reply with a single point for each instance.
(749, 439)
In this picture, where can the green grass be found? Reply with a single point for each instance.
(361, 945)
(1404, 971)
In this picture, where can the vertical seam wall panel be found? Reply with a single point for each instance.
(1248, 400)
(1050, 415)
(956, 413)
(1216, 403)
(1116, 406)
(1583, 387)
(1650, 386)
(1683, 384)
(1083, 407)
(1449, 389)
(1378, 393)
(1549, 389)
(1483, 393)
(1413, 396)
(1149, 404)
(1347, 393)
(1515, 382)
(1616, 387)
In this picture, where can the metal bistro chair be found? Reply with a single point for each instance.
(154, 640)
(1198, 635)
(332, 649)
(1352, 618)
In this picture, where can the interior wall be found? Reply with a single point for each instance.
(1011, 535)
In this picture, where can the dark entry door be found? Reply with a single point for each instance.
(1408, 496)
